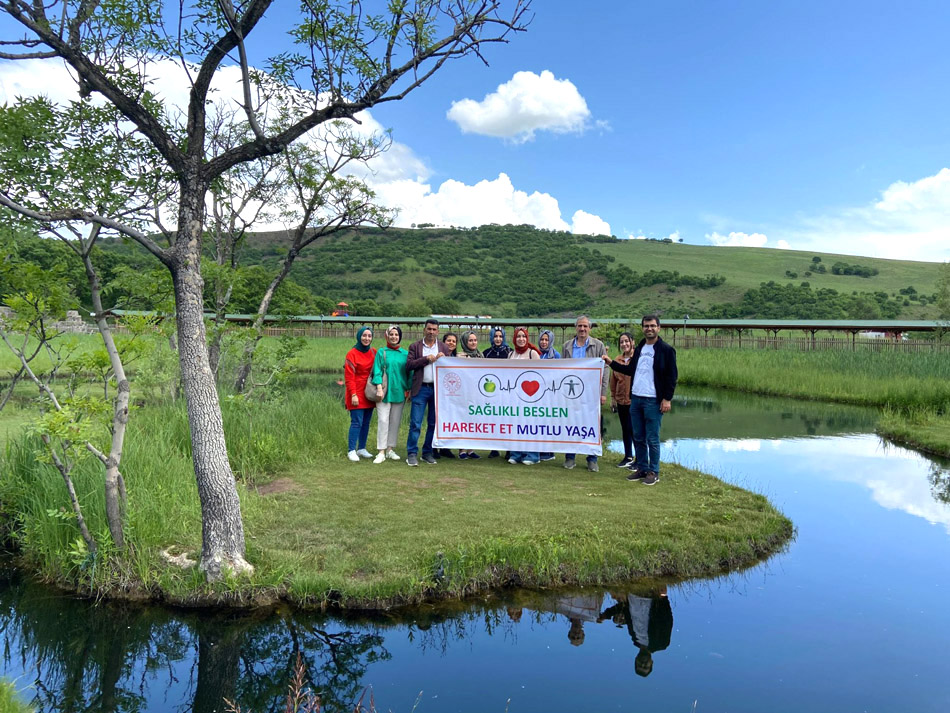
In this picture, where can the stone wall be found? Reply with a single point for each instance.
(73, 323)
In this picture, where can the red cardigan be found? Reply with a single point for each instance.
(356, 369)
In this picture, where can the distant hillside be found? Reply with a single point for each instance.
(513, 271)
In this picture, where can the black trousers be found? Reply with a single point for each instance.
(623, 413)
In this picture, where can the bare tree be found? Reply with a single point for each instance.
(326, 194)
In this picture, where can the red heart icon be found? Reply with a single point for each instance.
(530, 387)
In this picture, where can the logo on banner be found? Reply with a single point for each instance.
(451, 383)
(528, 386)
(488, 385)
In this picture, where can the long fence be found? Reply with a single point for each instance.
(793, 335)
(678, 339)
(804, 344)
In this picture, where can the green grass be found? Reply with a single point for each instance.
(746, 268)
(896, 380)
(9, 700)
(322, 529)
(924, 429)
(912, 390)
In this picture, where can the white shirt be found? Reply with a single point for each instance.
(643, 384)
(428, 373)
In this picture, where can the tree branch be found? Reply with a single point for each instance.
(87, 217)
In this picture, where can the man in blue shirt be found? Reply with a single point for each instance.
(584, 346)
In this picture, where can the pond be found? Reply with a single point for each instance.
(852, 616)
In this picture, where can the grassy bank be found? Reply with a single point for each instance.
(913, 390)
(896, 380)
(321, 529)
(924, 429)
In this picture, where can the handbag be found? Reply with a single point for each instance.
(370, 392)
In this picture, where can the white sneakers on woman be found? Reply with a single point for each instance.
(353, 457)
(383, 455)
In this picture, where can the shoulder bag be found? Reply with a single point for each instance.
(370, 389)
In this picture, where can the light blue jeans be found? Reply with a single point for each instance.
(525, 457)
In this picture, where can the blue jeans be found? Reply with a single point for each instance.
(524, 456)
(425, 397)
(645, 418)
(570, 456)
(359, 427)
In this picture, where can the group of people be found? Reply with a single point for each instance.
(640, 382)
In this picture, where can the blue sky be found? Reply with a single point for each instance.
(810, 125)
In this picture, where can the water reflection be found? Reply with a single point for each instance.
(73, 655)
(649, 621)
(866, 574)
(939, 477)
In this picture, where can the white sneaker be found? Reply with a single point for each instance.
(353, 457)
(363, 453)
(392, 455)
(380, 457)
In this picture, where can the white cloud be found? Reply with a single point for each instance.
(456, 203)
(745, 240)
(910, 221)
(783, 245)
(674, 236)
(527, 103)
(584, 223)
(398, 175)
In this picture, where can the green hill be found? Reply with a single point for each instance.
(510, 271)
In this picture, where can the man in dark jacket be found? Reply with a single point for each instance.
(653, 368)
(421, 356)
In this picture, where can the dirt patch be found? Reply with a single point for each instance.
(279, 485)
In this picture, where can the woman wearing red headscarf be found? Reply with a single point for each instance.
(523, 349)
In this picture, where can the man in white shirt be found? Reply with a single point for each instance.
(653, 368)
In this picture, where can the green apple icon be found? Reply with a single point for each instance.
(489, 386)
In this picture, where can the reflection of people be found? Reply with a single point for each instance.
(653, 368)
(578, 609)
(356, 369)
(584, 346)
(422, 355)
(649, 622)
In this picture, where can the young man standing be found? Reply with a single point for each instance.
(422, 355)
(653, 368)
(584, 346)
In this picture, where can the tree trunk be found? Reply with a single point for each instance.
(114, 483)
(247, 360)
(222, 530)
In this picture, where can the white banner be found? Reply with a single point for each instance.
(548, 405)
